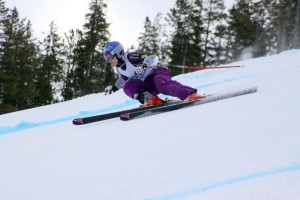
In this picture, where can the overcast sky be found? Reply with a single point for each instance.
(126, 16)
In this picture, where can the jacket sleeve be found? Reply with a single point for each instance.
(151, 61)
(120, 82)
(145, 59)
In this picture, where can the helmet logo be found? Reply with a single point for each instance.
(118, 49)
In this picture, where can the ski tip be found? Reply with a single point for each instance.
(78, 121)
(125, 116)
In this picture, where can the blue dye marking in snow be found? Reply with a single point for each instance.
(28, 125)
(214, 186)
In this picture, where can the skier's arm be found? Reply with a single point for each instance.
(118, 85)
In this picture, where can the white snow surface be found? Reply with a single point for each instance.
(245, 148)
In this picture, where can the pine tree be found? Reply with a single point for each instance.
(286, 23)
(296, 36)
(91, 73)
(221, 43)
(214, 27)
(3, 14)
(182, 47)
(19, 61)
(150, 39)
(265, 33)
(72, 39)
(144, 38)
(242, 27)
(51, 72)
(197, 30)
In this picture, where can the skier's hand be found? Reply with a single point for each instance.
(110, 89)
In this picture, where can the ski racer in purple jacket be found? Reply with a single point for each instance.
(143, 77)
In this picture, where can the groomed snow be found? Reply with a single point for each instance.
(246, 147)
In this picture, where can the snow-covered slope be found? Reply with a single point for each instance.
(246, 147)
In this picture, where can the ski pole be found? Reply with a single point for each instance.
(204, 67)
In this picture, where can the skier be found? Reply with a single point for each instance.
(143, 77)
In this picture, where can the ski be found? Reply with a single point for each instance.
(165, 108)
(101, 117)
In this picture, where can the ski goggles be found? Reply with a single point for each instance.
(108, 57)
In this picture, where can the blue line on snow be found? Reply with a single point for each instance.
(214, 186)
(28, 125)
